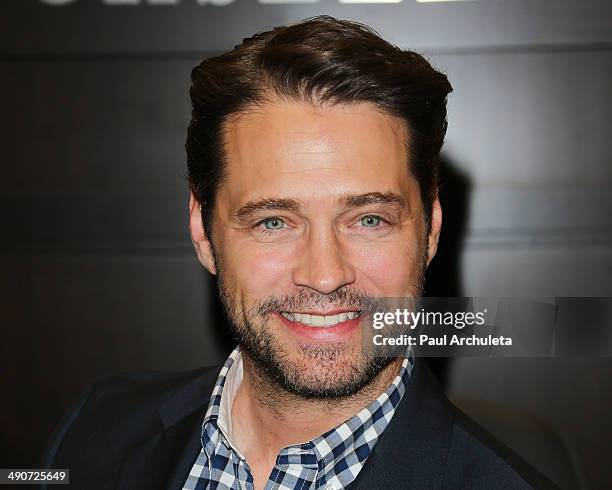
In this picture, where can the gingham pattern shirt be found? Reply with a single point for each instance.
(329, 462)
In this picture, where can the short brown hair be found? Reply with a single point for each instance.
(321, 59)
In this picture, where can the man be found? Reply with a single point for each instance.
(312, 155)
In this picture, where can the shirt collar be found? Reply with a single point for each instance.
(219, 409)
(361, 431)
(330, 447)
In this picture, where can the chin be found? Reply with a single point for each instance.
(326, 371)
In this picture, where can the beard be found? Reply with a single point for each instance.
(308, 370)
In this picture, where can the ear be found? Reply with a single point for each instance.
(434, 232)
(200, 241)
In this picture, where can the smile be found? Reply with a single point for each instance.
(312, 320)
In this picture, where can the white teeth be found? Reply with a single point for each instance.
(320, 320)
(317, 320)
(331, 320)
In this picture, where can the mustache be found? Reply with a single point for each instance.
(354, 299)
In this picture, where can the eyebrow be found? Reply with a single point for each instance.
(388, 198)
(254, 207)
(347, 201)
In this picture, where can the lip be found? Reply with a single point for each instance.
(339, 332)
(325, 313)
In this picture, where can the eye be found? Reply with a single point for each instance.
(273, 223)
(370, 221)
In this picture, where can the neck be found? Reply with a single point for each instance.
(267, 418)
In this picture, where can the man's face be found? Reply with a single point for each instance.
(318, 214)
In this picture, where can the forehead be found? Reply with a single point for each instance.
(296, 146)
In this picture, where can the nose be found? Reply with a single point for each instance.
(323, 264)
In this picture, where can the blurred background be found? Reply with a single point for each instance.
(97, 273)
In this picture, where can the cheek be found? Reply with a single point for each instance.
(389, 268)
(259, 270)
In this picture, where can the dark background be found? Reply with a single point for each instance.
(97, 271)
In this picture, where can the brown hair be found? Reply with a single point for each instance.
(318, 60)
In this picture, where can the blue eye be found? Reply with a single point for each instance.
(370, 221)
(273, 223)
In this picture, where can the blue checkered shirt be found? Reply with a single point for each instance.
(331, 461)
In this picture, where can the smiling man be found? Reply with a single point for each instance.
(316, 214)
(312, 164)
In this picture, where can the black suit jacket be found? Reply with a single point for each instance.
(142, 431)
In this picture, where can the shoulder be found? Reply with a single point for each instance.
(430, 443)
(134, 395)
(474, 456)
(115, 410)
(125, 392)
(479, 460)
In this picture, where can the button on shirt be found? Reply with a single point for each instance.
(329, 462)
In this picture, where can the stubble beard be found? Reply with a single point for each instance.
(315, 371)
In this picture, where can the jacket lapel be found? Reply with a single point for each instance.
(412, 451)
(164, 457)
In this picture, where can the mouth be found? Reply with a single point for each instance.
(321, 321)
(335, 326)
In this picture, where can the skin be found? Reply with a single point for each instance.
(318, 241)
